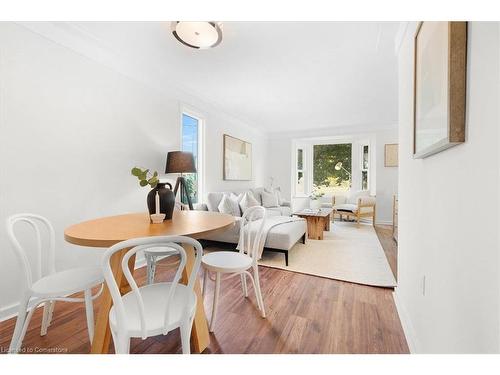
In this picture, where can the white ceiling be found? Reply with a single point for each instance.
(278, 76)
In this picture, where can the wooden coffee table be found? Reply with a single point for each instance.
(317, 221)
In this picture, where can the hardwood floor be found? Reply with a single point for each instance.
(384, 233)
(305, 314)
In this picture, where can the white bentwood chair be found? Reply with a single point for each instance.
(152, 256)
(238, 263)
(152, 309)
(43, 283)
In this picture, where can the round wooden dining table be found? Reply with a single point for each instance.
(107, 231)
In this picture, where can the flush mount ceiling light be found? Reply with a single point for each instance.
(199, 35)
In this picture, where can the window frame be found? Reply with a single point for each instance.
(297, 170)
(362, 166)
(200, 163)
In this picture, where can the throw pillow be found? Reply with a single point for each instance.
(248, 201)
(353, 196)
(225, 206)
(277, 192)
(269, 199)
(236, 199)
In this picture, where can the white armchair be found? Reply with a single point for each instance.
(358, 204)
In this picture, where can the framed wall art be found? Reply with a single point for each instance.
(237, 159)
(439, 86)
(391, 155)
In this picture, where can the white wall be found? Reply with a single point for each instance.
(71, 129)
(387, 177)
(448, 215)
(383, 180)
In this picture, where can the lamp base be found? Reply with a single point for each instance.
(181, 181)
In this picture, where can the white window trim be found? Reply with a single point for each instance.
(297, 170)
(191, 112)
(361, 166)
(357, 141)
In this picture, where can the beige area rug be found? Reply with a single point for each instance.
(346, 253)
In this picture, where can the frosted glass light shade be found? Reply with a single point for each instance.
(200, 35)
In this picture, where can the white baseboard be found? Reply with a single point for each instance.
(383, 222)
(409, 331)
(10, 311)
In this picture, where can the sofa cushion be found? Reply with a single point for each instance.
(347, 207)
(286, 235)
(273, 211)
(257, 194)
(213, 200)
(283, 236)
(248, 201)
(355, 195)
(269, 199)
(229, 205)
(286, 211)
(277, 193)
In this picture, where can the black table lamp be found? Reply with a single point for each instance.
(181, 162)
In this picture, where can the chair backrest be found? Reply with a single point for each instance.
(42, 262)
(138, 244)
(251, 231)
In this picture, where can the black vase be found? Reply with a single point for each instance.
(167, 200)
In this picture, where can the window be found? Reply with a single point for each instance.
(365, 165)
(332, 167)
(300, 182)
(191, 142)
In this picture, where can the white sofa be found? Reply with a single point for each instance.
(280, 238)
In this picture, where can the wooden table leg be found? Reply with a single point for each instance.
(327, 223)
(320, 227)
(200, 338)
(102, 333)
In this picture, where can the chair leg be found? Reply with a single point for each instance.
(122, 343)
(151, 268)
(204, 286)
(16, 341)
(45, 318)
(258, 291)
(255, 290)
(244, 284)
(51, 311)
(89, 311)
(185, 329)
(216, 301)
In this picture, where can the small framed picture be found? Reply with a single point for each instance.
(391, 155)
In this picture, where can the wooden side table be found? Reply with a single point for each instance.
(317, 222)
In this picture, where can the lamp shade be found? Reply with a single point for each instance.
(180, 162)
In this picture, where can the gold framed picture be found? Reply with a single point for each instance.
(439, 87)
(391, 155)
